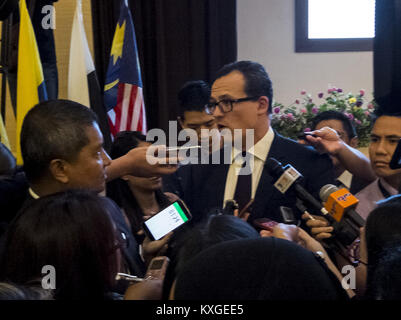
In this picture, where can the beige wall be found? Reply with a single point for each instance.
(266, 34)
(64, 16)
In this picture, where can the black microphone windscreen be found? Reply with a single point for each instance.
(274, 168)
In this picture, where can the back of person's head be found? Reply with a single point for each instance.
(10, 291)
(216, 229)
(335, 115)
(383, 242)
(383, 226)
(124, 142)
(71, 231)
(257, 269)
(53, 129)
(193, 96)
(384, 280)
(257, 80)
(8, 164)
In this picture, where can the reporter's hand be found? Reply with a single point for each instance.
(142, 162)
(155, 248)
(282, 231)
(243, 216)
(306, 241)
(327, 140)
(146, 290)
(320, 227)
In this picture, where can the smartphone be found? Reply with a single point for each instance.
(264, 224)
(157, 268)
(395, 162)
(167, 220)
(304, 134)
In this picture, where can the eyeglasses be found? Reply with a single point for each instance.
(225, 105)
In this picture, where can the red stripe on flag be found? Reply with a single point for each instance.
(131, 107)
(118, 107)
(140, 124)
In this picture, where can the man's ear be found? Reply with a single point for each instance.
(354, 142)
(263, 105)
(58, 170)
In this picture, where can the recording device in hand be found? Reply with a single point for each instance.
(302, 136)
(157, 268)
(287, 216)
(167, 220)
(288, 178)
(395, 162)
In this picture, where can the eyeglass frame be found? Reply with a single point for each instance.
(231, 102)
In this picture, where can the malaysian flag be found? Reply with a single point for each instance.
(123, 89)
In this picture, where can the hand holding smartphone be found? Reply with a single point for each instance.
(167, 220)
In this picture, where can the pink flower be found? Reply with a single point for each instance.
(276, 110)
(297, 101)
(307, 130)
(362, 92)
(315, 110)
(331, 90)
(303, 92)
(290, 116)
(357, 121)
(350, 116)
(303, 110)
(370, 106)
(367, 113)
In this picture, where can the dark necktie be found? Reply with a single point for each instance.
(243, 190)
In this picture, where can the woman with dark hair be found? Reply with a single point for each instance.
(381, 251)
(138, 197)
(71, 231)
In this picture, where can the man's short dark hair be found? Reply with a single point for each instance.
(193, 96)
(51, 130)
(257, 80)
(380, 112)
(335, 115)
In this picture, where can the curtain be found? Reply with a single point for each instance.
(178, 41)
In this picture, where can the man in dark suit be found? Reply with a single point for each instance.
(241, 98)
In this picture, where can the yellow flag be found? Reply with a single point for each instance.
(3, 133)
(30, 82)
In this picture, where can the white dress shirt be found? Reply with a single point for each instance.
(259, 154)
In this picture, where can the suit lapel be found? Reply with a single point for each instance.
(265, 188)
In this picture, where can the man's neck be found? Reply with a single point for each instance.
(146, 199)
(45, 189)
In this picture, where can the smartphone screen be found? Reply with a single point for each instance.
(167, 220)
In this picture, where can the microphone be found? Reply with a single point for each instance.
(341, 203)
(288, 177)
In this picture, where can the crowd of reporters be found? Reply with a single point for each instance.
(52, 213)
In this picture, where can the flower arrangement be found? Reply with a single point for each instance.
(296, 118)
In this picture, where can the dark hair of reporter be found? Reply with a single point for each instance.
(10, 291)
(119, 190)
(193, 96)
(211, 231)
(257, 269)
(53, 129)
(71, 231)
(335, 115)
(383, 235)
